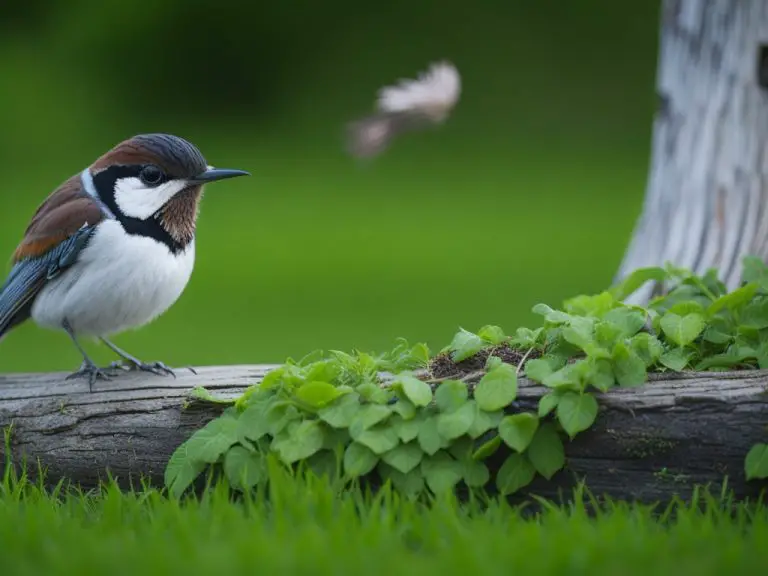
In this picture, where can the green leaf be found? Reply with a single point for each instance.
(647, 347)
(492, 334)
(417, 391)
(756, 462)
(407, 430)
(755, 314)
(682, 330)
(405, 408)
(590, 305)
(538, 369)
(516, 473)
(576, 412)
(316, 394)
(451, 395)
(323, 463)
(546, 451)
(464, 345)
(517, 430)
(548, 402)
(676, 359)
(210, 442)
(322, 371)
(483, 420)
(636, 279)
(492, 362)
(487, 449)
(374, 394)
(244, 468)
(451, 425)
(342, 411)
(628, 320)
(411, 484)
(441, 472)
(279, 415)
(302, 443)
(475, 474)
(569, 377)
(552, 316)
(628, 367)
(497, 388)
(429, 438)
(368, 416)
(404, 457)
(379, 439)
(526, 338)
(754, 270)
(734, 300)
(181, 471)
(359, 460)
(252, 424)
(601, 374)
(201, 394)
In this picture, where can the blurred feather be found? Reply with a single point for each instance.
(406, 106)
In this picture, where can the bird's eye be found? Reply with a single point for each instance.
(151, 175)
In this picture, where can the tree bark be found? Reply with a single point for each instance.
(648, 443)
(705, 201)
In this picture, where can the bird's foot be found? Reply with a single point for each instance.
(158, 368)
(91, 371)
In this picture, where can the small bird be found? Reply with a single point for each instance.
(112, 248)
(410, 105)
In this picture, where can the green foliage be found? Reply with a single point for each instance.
(335, 413)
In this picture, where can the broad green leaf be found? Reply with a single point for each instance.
(635, 280)
(676, 359)
(379, 439)
(682, 330)
(497, 388)
(580, 333)
(475, 473)
(550, 315)
(407, 430)
(492, 334)
(316, 394)
(451, 425)
(526, 338)
(451, 395)
(341, 412)
(464, 345)
(461, 448)
(590, 305)
(210, 442)
(647, 347)
(279, 415)
(517, 430)
(252, 423)
(734, 300)
(368, 416)
(576, 412)
(374, 394)
(628, 320)
(411, 485)
(601, 374)
(359, 460)
(322, 371)
(569, 377)
(755, 314)
(483, 421)
(441, 472)
(492, 362)
(546, 451)
(628, 367)
(548, 402)
(302, 443)
(181, 471)
(417, 391)
(404, 457)
(405, 408)
(487, 449)
(243, 468)
(516, 473)
(323, 463)
(726, 360)
(756, 462)
(429, 438)
(538, 369)
(754, 269)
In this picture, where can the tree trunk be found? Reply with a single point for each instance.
(648, 443)
(705, 203)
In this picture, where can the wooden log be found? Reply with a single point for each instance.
(648, 443)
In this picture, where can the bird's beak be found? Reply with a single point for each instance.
(213, 174)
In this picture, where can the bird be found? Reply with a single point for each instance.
(112, 247)
(412, 104)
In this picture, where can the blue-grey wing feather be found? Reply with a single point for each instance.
(28, 276)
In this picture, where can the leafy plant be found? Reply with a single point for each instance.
(335, 413)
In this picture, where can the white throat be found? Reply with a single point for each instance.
(136, 200)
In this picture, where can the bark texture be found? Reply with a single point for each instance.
(705, 202)
(648, 443)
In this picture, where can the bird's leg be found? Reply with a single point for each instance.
(155, 368)
(88, 367)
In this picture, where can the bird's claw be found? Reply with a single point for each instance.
(158, 368)
(93, 373)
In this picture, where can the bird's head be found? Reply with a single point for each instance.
(155, 178)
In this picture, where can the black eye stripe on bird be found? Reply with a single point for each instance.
(110, 250)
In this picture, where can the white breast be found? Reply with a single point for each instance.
(120, 282)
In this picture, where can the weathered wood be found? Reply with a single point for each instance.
(648, 443)
(706, 200)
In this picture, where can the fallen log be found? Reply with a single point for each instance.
(648, 443)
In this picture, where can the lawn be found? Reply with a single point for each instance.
(304, 526)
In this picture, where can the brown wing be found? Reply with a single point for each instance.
(62, 214)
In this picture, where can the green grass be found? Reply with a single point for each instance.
(304, 526)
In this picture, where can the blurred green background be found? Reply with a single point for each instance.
(529, 193)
